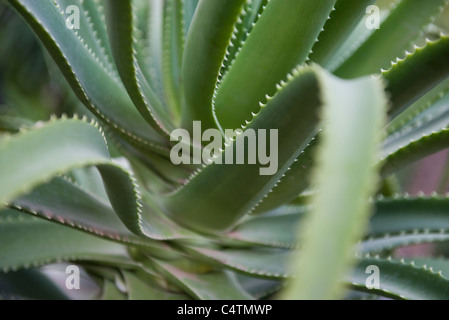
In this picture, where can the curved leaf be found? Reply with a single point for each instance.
(121, 25)
(308, 90)
(345, 179)
(213, 210)
(396, 35)
(400, 280)
(264, 53)
(341, 23)
(217, 285)
(86, 75)
(28, 242)
(414, 151)
(262, 263)
(58, 147)
(412, 77)
(205, 49)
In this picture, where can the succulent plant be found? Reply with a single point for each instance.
(351, 106)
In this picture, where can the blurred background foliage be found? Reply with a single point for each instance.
(31, 86)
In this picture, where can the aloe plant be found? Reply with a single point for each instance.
(351, 106)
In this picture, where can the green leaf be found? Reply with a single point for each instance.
(189, 11)
(58, 147)
(403, 221)
(213, 211)
(172, 53)
(440, 265)
(138, 289)
(28, 242)
(210, 34)
(300, 98)
(259, 288)
(342, 22)
(414, 151)
(427, 106)
(264, 53)
(252, 10)
(63, 202)
(399, 280)
(294, 181)
(412, 77)
(86, 75)
(396, 35)
(391, 242)
(121, 22)
(432, 119)
(217, 285)
(272, 230)
(94, 11)
(395, 215)
(156, 225)
(262, 263)
(29, 284)
(345, 179)
(111, 292)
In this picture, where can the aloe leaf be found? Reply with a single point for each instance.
(345, 179)
(121, 26)
(397, 222)
(343, 20)
(63, 202)
(172, 53)
(215, 212)
(259, 288)
(58, 147)
(29, 284)
(439, 265)
(138, 289)
(300, 98)
(205, 49)
(93, 35)
(189, 11)
(76, 143)
(217, 285)
(278, 230)
(396, 35)
(414, 151)
(251, 12)
(395, 215)
(427, 106)
(262, 263)
(154, 45)
(266, 52)
(95, 14)
(294, 181)
(412, 77)
(89, 179)
(403, 221)
(111, 292)
(156, 225)
(425, 122)
(42, 242)
(401, 280)
(87, 77)
(390, 242)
